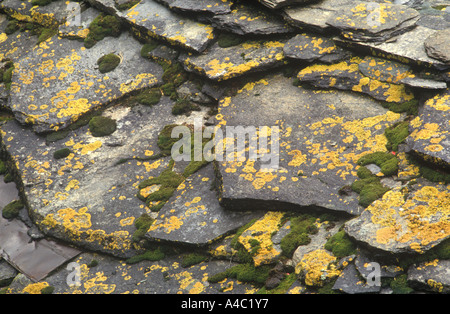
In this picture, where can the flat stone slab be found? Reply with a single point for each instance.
(210, 7)
(433, 276)
(250, 20)
(346, 75)
(15, 45)
(350, 282)
(405, 221)
(77, 85)
(151, 19)
(373, 22)
(384, 70)
(311, 48)
(89, 198)
(77, 27)
(276, 4)
(194, 216)
(318, 145)
(430, 131)
(220, 64)
(437, 46)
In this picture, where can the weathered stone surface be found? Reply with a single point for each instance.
(347, 76)
(310, 48)
(212, 7)
(430, 131)
(349, 281)
(149, 18)
(194, 216)
(411, 221)
(384, 70)
(7, 273)
(367, 265)
(417, 82)
(407, 48)
(373, 22)
(276, 4)
(14, 46)
(77, 26)
(220, 64)
(432, 276)
(247, 20)
(56, 190)
(319, 145)
(50, 90)
(437, 46)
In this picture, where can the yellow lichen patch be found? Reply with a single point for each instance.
(35, 288)
(140, 81)
(317, 266)
(262, 231)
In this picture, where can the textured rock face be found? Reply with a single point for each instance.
(438, 47)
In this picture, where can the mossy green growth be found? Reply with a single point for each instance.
(47, 290)
(370, 189)
(3, 168)
(42, 2)
(386, 161)
(400, 285)
(184, 106)
(102, 26)
(149, 97)
(11, 210)
(148, 47)
(226, 40)
(410, 107)
(340, 245)
(150, 255)
(61, 153)
(244, 273)
(193, 259)
(7, 75)
(142, 225)
(108, 62)
(127, 5)
(301, 227)
(11, 27)
(102, 126)
(396, 135)
(174, 73)
(165, 140)
(46, 33)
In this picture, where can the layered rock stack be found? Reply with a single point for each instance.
(91, 95)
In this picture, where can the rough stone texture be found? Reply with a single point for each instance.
(77, 86)
(317, 155)
(347, 76)
(310, 48)
(430, 131)
(373, 22)
(194, 216)
(276, 4)
(350, 282)
(438, 46)
(433, 276)
(405, 221)
(210, 7)
(384, 70)
(247, 20)
(220, 64)
(78, 25)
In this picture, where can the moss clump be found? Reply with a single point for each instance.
(61, 153)
(193, 259)
(165, 140)
(400, 285)
(244, 273)
(7, 75)
(434, 174)
(102, 126)
(150, 255)
(142, 225)
(386, 161)
(101, 27)
(410, 107)
(148, 47)
(396, 135)
(149, 97)
(93, 263)
(108, 62)
(3, 168)
(301, 226)
(370, 189)
(48, 290)
(46, 33)
(229, 40)
(340, 245)
(127, 5)
(184, 106)
(174, 73)
(11, 27)
(42, 2)
(11, 210)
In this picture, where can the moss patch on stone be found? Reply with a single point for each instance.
(244, 273)
(102, 26)
(340, 245)
(396, 135)
(142, 225)
(193, 259)
(148, 47)
(386, 161)
(42, 2)
(301, 227)
(61, 153)
(11, 210)
(108, 62)
(226, 40)
(102, 126)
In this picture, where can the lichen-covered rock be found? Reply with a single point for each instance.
(373, 22)
(350, 282)
(51, 90)
(311, 48)
(247, 20)
(220, 64)
(194, 216)
(430, 131)
(319, 145)
(433, 276)
(276, 4)
(405, 221)
(437, 46)
(384, 70)
(317, 267)
(209, 7)
(77, 27)
(347, 76)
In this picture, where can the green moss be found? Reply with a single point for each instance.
(8, 178)
(101, 27)
(48, 290)
(149, 97)
(434, 174)
(42, 2)
(340, 245)
(371, 192)
(46, 33)
(226, 40)
(396, 135)
(127, 5)
(400, 285)
(150, 255)
(165, 140)
(108, 62)
(283, 287)
(3, 168)
(11, 210)
(169, 89)
(386, 161)
(142, 225)
(11, 27)
(148, 47)
(174, 73)
(410, 107)
(102, 126)
(364, 173)
(244, 273)
(93, 263)
(184, 106)
(61, 153)
(193, 259)
(7, 75)
(300, 227)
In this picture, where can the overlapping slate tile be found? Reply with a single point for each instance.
(194, 215)
(220, 64)
(77, 27)
(409, 220)
(204, 7)
(430, 131)
(276, 4)
(437, 46)
(59, 80)
(322, 135)
(431, 276)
